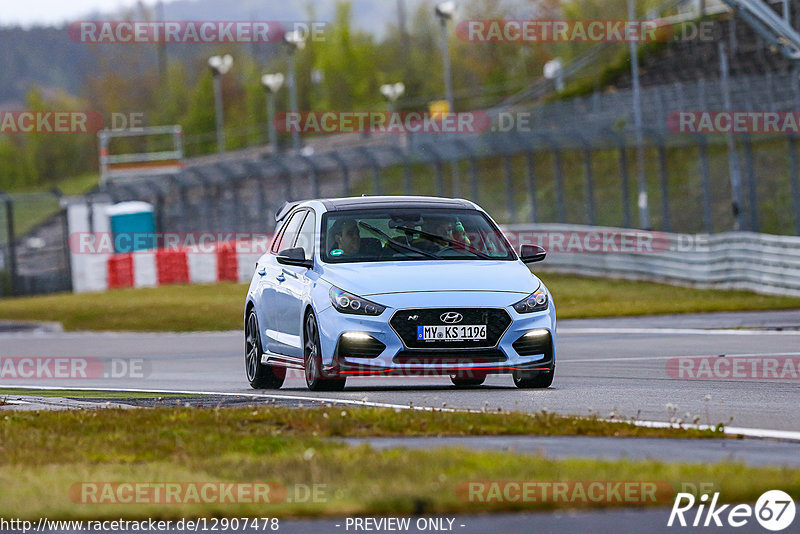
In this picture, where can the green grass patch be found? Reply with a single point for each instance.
(177, 308)
(220, 307)
(72, 185)
(46, 454)
(579, 298)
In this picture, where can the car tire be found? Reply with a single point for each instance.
(461, 382)
(312, 360)
(260, 376)
(540, 380)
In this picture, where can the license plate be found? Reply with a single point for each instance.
(451, 333)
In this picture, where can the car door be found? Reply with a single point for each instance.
(292, 291)
(270, 276)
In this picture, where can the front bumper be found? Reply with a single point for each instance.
(398, 358)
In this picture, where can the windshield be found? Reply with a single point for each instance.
(411, 234)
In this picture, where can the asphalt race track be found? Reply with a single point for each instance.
(604, 366)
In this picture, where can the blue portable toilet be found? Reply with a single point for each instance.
(133, 226)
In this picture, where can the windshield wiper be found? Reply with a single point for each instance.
(454, 244)
(397, 244)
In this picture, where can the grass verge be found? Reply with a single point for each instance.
(220, 307)
(46, 456)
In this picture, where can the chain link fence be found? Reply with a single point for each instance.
(580, 176)
(34, 255)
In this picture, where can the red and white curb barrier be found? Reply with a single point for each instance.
(228, 262)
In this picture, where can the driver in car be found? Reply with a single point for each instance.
(346, 236)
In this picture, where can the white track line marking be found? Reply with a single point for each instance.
(675, 331)
(226, 394)
(645, 358)
(759, 433)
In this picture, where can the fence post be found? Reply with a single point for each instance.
(587, 162)
(376, 169)
(186, 207)
(793, 180)
(438, 166)
(666, 216)
(261, 205)
(530, 172)
(624, 177)
(65, 242)
(208, 213)
(233, 180)
(733, 151)
(336, 157)
(12, 246)
(315, 193)
(752, 190)
(708, 221)
(561, 210)
(501, 147)
(284, 174)
(473, 170)
(407, 185)
(663, 181)
(158, 198)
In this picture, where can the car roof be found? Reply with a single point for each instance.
(375, 202)
(379, 202)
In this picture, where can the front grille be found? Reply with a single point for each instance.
(449, 358)
(405, 322)
(369, 348)
(528, 346)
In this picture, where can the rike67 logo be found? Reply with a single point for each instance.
(774, 510)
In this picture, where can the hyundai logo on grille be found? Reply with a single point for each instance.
(451, 318)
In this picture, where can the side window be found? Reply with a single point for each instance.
(306, 237)
(288, 232)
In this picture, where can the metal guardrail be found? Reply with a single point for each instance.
(761, 263)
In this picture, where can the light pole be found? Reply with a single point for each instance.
(294, 41)
(272, 84)
(445, 11)
(219, 65)
(554, 70)
(392, 92)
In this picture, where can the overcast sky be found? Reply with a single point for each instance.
(29, 12)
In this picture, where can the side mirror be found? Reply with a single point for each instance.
(295, 257)
(532, 253)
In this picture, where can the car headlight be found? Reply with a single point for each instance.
(537, 301)
(345, 302)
